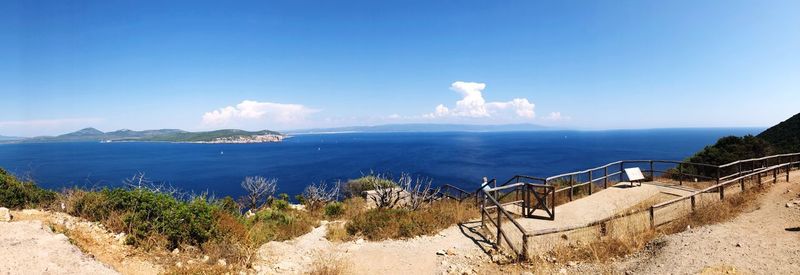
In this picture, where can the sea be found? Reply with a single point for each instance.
(457, 158)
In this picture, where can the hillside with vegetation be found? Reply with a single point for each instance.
(784, 137)
(781, 138)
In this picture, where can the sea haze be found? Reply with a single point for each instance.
(458, 158)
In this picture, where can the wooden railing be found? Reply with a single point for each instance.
(490, 198)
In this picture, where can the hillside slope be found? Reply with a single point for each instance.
(784, 137)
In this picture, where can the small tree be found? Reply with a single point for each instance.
(419, 192)
(386, 196)
(259, 191)
(317, 195)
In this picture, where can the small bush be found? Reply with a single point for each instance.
(280, 204)
(334, 209)
(354, 188)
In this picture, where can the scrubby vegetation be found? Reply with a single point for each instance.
(157, 219)
(380, 224)
(16, 194)
(731, 148)
(154, 219)
(784, 137)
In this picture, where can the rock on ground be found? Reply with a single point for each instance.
(5, 215)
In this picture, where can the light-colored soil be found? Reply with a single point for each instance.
(93, 239)
(412, 256)
(30, 247)
(757, 242)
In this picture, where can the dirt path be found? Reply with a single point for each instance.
(30, 247)
(450, 250)
(93, 239)
(758, 242)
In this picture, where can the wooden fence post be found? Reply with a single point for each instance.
(605, 177)
(652, 172)
(680, 173)
(524, 247)
(571, 180)
(693, 202)
(499, 225)
(590, 182)
(652, 217)
(774, 175)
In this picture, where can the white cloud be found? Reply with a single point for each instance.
(556, 116)
(249, 110)
(473, 105)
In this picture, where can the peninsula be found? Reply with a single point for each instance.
(161, 135)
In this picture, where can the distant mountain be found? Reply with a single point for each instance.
(5, 138)
(422, 127)
(171, 135)
(784, 137)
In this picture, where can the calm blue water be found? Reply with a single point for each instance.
(461, 159)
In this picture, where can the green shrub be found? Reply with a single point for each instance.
(354, 188)
(146, 215)
(17, 194)
(334, 209)
(280, 204)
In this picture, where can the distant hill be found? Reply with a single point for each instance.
(170, 135)
(5, 138)
(423, 127)
(784, 137)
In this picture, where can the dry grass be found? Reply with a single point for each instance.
(717, 212)
(607, 248)
(381, 224)
(336, 232)
(326, 264)
(602, 249)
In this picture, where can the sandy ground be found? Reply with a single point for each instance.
(94, 239)
(455, 246)
(758, 242)
(30, 247)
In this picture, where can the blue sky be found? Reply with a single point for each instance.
(295, 64)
